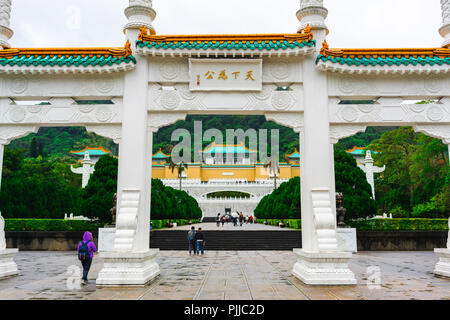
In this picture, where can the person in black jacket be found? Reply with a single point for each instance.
(200, 239)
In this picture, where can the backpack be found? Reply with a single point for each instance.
(83, 252)
(191, 236)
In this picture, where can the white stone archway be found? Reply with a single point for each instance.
(150, 84)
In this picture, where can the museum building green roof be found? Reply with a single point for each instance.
(384, 57)
(69, 57)
(227, 42)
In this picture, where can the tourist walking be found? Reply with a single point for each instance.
(224, 218)
(86, 249)
(241, 219)
(200, 239)
(191, 240)
(218, 220)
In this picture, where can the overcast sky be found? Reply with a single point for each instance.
(352, 23)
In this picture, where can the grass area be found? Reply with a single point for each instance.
(161, 224)
(50, 225)
(289, 223)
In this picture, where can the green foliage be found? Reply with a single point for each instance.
(400, 224)
(284, 202)
(437, 207)
(57, 142)
(49, 225)
(351, 181)
(161, 224)
(416, 171)
(362, 138)
(288, 138)
(289, 223)
(228, 194)
(166, 202)
(36, 188)
(98, 195)
(169, 203)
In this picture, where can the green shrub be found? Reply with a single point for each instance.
(50, 225)
(400, 224)
(161, 224)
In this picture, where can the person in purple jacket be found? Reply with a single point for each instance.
(86, 249)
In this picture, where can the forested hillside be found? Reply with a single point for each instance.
(56, 142)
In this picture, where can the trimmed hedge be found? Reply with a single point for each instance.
(161, 224)
(400, 224)
(290, 223)
(50, 225)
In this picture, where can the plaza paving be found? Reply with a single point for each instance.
(230, 275)
(230, 227)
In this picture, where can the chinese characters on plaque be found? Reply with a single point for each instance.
(225, 74)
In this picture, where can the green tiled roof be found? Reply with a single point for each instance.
(360, 152)
(227, 45)
(220, 149)
(65, 60)
(92, 152)
(295, 155)
(385, 61)
(160, 155)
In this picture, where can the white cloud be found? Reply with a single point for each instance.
(352, 23)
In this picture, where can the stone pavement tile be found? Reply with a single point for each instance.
(211, 295)
(238, 295)
(16, 294)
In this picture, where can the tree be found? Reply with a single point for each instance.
(416, 171)
(98, 194)
(284, 202)
(34, 188)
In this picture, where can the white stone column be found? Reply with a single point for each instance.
(5, 16)
(133, 262)
(319, 262)
(369, 169)
(86, 170)
(2, 149)
(445, 29)
(8, 267)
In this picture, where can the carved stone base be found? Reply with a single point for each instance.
(346, 238)
(323, 268)
(106, 237)
(128, 268)
(443, 266)
(8, 267)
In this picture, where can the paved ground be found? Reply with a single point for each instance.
(230, 227)
(230, 275)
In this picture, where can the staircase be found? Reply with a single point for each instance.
(229, 240)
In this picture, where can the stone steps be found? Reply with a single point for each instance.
(228, 240)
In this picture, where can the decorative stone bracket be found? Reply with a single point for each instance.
(338, 132)
(160, 120)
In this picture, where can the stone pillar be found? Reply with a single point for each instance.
(319, 262)
(369, 169)
(86, 170)
(133, 262)
(5, 16)
(8, 267)
(442, 268)
(445, 29)
(2, 149)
